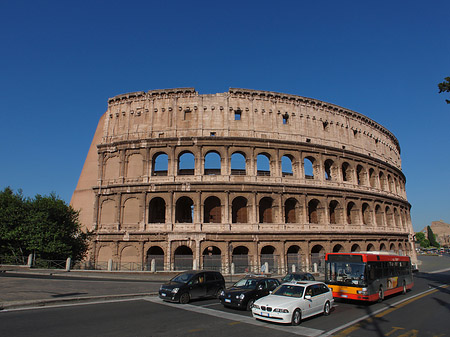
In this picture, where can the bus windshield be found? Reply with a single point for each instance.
(346, 273)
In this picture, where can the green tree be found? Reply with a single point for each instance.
(44, 226)
(432, 237)
(425, 243)
(445, 87)
(420, 237)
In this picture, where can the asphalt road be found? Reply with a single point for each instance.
(424, 311)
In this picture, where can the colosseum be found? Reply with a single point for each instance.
(235, 181)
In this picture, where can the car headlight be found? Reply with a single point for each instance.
(175, 290)
(284, 311)
(256, 306)
(241, 296)
(222, 293)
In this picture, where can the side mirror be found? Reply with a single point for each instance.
(307, 297)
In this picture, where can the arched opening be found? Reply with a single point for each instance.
(212, 210)
(238, 164)
(263, 164)
(294, 258)
(328, 165)
(239, 210)
(391, 184)
(184, 210)
(183, 258)
(392, 248)
(389, 217)
(212, 258)
(186, 164)
(352, 213)
(289, 210)
(313, 211)
(370, 247)
(334, 212)
(379, 215)
(338, 248)
(265, 210)
(397, 220)
(366, 214)
(318, 258)
(155, 258)
(268, 256)
(361, 175)
(308, 167)
(212, 163)
(160, 164)
(241, 259)
(382, 181)
(355, 248)
(157, 210)
(346, 172)
(286, 166)
(372, 178)
(383, 247)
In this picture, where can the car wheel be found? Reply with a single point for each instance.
(218, 292)
(296, 317)
(404, 288)
(380, 295)
(184, 298)
(250, 304)
(326, 309)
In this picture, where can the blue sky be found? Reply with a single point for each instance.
(60, 61)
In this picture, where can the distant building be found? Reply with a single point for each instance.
(231, 181)
(441, 231)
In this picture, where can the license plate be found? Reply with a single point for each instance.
(162, 294)
(344, 296)
(266, 314)
(227, 301)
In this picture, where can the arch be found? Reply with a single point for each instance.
(265, 210)
(391, 187)
(213, 163)
(289, 210)
(108, 212)
(286, 166)
(313, 211)
(389, 217)
(334, 210)
(112, 168)
(212, 258)
(131, 211)
(370, 247)
(383, 247)
(157, 210)
(130, 259)
(135, 165)
(308, 167)
(372, 178)
(352, 213)
(366, 214)
(328, 166)
(379, 215)
(212, 210)
(104, 255)
(355, 248)
(156, 254)
(318, 257)
(268, 256)
(400, 249)
(397, 221)
(294, 258)
(263, 164)
(382, 181)
(239, 210)
(186, 163)
(241, 259)
(183, 258)
(392, 248)
(338, 248)
(361, 175)
(238, 164)
(346, 172)
(184, 210)
(160, 164)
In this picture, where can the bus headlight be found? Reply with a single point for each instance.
(363, 291)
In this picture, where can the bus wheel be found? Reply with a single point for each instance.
(404, 288)
(380, 295)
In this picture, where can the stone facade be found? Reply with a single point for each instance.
(230, 181)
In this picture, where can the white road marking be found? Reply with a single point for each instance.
(297, 330)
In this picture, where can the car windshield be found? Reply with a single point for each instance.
(246, 283)
(345, 272)
(289, 290)
(296, 277)
(183, 278)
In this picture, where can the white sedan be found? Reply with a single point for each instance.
(291, 302)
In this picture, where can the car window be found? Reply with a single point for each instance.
(262, 285)
(246, 283)
(183, 278)
(210, 277)
(325, 289)
(309, 291)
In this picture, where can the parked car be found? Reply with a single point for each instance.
(245, 291)
(192, 285)
(300, 276)
(291, 302)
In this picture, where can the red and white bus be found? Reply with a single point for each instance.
(367, 276)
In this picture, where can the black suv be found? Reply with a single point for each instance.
(192, 284)
(300, 276)
(247, 290)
